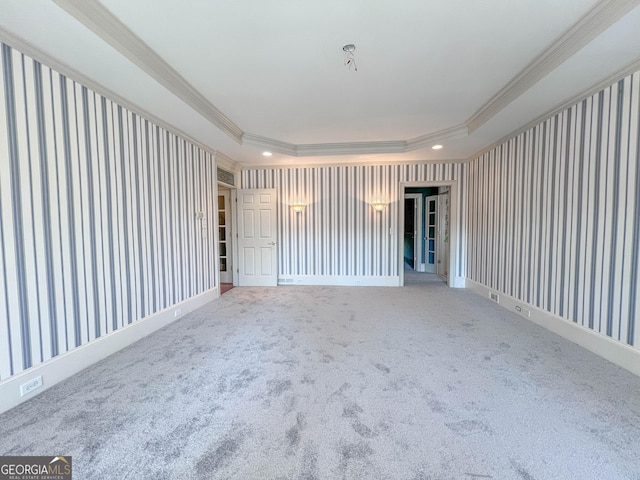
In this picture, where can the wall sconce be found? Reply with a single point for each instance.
(378, 206)
(298, 207)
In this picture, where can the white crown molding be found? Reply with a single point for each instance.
(107, 26)
(352, 148)
(227, 163)
(430, 139)
(27, 48)
(369, 163)
(626, 70)
(103, 23)
(604, 14)
(269, 144)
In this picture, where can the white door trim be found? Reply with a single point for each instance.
(454, 258)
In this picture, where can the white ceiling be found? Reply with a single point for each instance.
(275, 69)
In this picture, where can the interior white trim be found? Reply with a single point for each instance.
(226, 162)
(430, 139)
(337, 162)
(28, 49)
(350, 148)
(107, 26)
(616, 352)
(626, 70)
(64, 366)
(340, 280)
(604, 14)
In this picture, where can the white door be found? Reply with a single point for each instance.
(443, 234)
(431, 205)
(413, 228)
(224, 236)
(257, 238)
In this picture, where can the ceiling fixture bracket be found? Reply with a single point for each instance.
(349, 58)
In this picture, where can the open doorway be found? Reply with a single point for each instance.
(425, 256)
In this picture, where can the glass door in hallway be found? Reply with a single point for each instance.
(224, 236)
(431, 205)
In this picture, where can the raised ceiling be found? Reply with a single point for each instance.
(245, 76)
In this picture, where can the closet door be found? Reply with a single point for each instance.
(257, 238)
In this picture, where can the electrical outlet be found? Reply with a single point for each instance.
(31, 385)
(177, 312)
(494, 296)
(523, 311)
(518, 308)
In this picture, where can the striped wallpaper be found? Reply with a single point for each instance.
(97, 215)
(339, 234)
(554, 214)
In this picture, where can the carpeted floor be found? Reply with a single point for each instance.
(419, 382)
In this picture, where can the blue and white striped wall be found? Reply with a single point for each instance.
(97, 216)
(554, 214)
(339, 239)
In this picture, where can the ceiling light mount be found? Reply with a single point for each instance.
(349, 58)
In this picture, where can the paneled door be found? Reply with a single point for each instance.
(257, 238)
(443, 235)
(431, 205)
(224, 237)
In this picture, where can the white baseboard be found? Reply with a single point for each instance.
(458, 282)
(63, 366)
(340, 280)
(616, 352)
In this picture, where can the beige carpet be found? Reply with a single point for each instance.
(420, 382)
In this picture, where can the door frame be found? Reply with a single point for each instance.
(454, 259)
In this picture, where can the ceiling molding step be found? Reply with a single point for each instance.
(323, 149)
(430, 139)
(338, 163)
(351, 148)
(107, 26)
(628, 69)
(269, 144)
(27, 48)
(604, 14)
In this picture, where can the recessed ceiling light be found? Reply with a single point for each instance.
(267, 154)
(437, 147)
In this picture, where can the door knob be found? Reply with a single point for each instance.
(272, 243)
